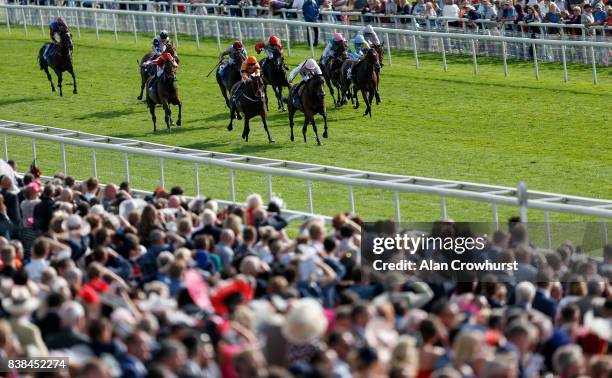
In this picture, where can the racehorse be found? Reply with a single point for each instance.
(312, 101)
(365, 79)
(380, 50)
(275, 74)
(331, 72)
(249, 98)
(231, 76)
(60, 61)
(165, 93)
(146, 72)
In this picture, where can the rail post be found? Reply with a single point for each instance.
(474, 59)
(94, 163)
(495, 216)
(78, 25)
(197, 36)
(162, 179)
(126, 165)
(175, 29)
(64, 163)
(594, 65)
(115, 27)
(96, 26)
(416, 52)
(8, 22)
(154, 26)
(134, 27)
(351, 198)
(505, 58)
(196, 174)
(218, 35)
(547, 234)
(269, 188)
(535, 62)
(388, 47)
(444, 65)
(6, 157)
(398, 218)
(232, 186)
(522, 198)
(443, 207)
(309, 192)
(25, 21)
(564, 59)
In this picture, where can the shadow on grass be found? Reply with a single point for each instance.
(107, 114)
(14, 101)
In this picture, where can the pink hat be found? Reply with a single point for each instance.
(338, 37)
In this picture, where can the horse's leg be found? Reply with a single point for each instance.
(378, 100)
(49, 78)
(278, 91)
(371, 96)
(265, 123)
(266, 92)
(167, 113)
(230, 127)
(153, 117)
(74, 83)
(356, 97)
(306, 122)
(179, 121)
(245, 129)
(331, 89)
(223, 92)
(314, 128)
(291, 115)
(324, 114)
(143, 81)
(365, 96)
(59, 81)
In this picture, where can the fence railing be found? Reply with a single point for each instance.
(398, 21)
(587, 51)
(519, 197)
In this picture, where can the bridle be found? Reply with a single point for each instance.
(259, 93)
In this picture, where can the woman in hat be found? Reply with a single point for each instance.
(20, 305)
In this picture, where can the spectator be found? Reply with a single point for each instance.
(11, 202)
(310, 11)
(20, 305)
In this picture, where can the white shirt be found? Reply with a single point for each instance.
(450, 10)
(35, 268)
(297, 4)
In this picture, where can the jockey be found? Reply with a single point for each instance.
(54, 28)
(332, 45)
(160, 44)
(273, 42)
(235, 49)
(249, 67)
(160, 62)
(370, 35)
(361, 47)
(307, 69)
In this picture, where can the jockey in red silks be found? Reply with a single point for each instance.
(160, 62)
(273, 42)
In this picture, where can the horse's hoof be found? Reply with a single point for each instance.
(292, 138)
(318, 142)
(325, 135)
(355, 106)
(139, 98)
(179, 123)
(230, 128)
(271, 141)
(75, 91)
(52, 89)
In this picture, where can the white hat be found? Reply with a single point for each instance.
(305, 322)
(74, 222)
(20, 301)
(310, 64)
(129, 205)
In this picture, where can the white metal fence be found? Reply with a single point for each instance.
(495, 196)
(506, 47)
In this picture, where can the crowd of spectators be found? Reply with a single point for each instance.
(165, 286)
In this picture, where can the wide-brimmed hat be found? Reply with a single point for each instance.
(305, 322)
(20, 301)
(129, 205)
(75, 223)
(197, 288)
(231, 293)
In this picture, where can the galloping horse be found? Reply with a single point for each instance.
(275, 74)
(60, 60)
(331, 71)
(312, 102)
(231, 77)
(145, 73)
(251, 101)
(380, 50)
(365, 79)
(166, 93)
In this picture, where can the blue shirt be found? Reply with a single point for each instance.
(310, 10)
(599, 16)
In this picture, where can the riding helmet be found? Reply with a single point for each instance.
(163, 35)
(310, 64)
(274, 41)
(338, 37)
(237, 45)
(252, 60)
(61, 20)
(359, 39)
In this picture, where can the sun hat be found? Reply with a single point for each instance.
(197, 288)
(74, 222)
(305, 322)
(20, 301)
(129, 205)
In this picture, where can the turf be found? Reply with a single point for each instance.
(453, 125)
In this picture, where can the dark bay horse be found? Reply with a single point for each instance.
(61, 60)
(312, 101)
(365, 79)
(231, 76)
(144, 70)
(275, 75)
(331, 71)
(249, 98)
(166, 92)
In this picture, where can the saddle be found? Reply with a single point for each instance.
(236, 93)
